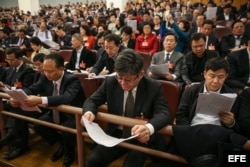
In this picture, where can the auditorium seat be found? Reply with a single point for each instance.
(89, 85)
(172, 92)
(66, 54)
(147, 60)
(221, 32)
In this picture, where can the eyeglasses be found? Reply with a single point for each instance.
(126, 81)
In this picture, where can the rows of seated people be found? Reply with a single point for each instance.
(182, 39)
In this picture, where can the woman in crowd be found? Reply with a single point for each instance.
(88, 38)
(147, 42)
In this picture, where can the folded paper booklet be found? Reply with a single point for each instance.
(51, 44)
(159, 70)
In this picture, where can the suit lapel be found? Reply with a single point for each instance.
(140, 96)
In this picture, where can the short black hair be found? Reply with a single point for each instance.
(197, 36)
(16, 51)
(36, 41)
(173, 34)
(217, 63)
(127, 30)
(113, 37)
(56, 58)
(39, 57)
(128, 62)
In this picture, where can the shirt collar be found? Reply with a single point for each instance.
(58, 82)
(205, 90)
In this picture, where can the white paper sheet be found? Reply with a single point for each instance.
(159, 70)
(211, 12)
(99, 136)
(212, 103)
(132, 24)
(20, 96)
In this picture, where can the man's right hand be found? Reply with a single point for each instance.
(91, 75)
(89, 116)
(14, 103)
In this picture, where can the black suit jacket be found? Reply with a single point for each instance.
(25, 42)
(70, 93)
(149, 101)
(66, 40)
(213, 40)
(238, 69)
(3, 72)
(193, 67)
(186, 109)
(228, 42)
(244, 114)
(222, 16)
(86, 57)
(131, 44)
(70, 90)
(105, 61)
(25, 75)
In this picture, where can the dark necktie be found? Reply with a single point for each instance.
(129, 112)
(56, 117)
(167, 58)
(13, 76)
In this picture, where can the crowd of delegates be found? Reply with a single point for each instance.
(170, 31)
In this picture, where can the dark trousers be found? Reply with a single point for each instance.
(52, 136)
(103, 156)
(19, 127)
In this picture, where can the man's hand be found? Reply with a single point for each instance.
(142, 131)
(91, 75)
(33, 100)
(169, 77)
(227, 117)
(14, 103)
(89, 116)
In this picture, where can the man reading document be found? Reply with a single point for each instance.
(131, 94)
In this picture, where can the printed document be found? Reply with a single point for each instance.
(159, 70)
(99, 136)
(212, 103)
(211, 12)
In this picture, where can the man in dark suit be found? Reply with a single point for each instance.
(170, 56)
(198, 25)
(21, 40)
(244, 114)
(226, 15)
(194, 128)
(63, 39)
(81, 58)
(20, 75)
(147, 101)
(57, 87)
(212, 42)
(194, 61)
(239, 68)
(107, 59)
(235, 41)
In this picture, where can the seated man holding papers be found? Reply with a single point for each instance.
(129, 94)
(199, 137)
(168, 59)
